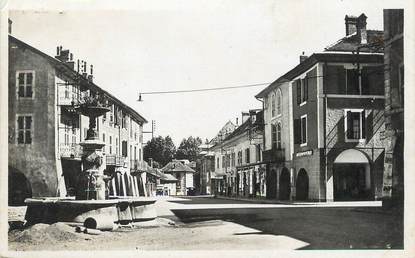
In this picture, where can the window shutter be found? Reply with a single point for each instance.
(306, 88)
(298, 86)
(297, 131)
(349, 125)
(341, 79)
(363, 136)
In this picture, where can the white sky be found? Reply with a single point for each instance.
(178, 45)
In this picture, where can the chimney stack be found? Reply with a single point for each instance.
(356, 25)
(303, 57)
(10, 26)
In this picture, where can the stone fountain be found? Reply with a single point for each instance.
(91, 206)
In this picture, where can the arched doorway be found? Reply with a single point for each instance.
(19, 187)
(271, 184)
(284, 185)
(351, 176)
(301, 188)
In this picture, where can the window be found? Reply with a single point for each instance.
(223, 161)
(124, 121)
(25, 82)
(233, 159)
(111, 114)
(247, 158)
(117, 148)
(110, 145)
(274, 136)
(355, 125)
(302, 90)
(131, 128)
(24, 129)
(279, 99)
(139, 155)
(217, 162)
(124, 145)
(273, 105)
(239, 157)
(278, 136)
(103, 139)
(258, 152)
(303, 130)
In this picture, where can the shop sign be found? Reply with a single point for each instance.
(304, 153)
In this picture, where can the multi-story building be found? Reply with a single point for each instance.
(239, 160)
(277, 138)
(394, 103)
(45, 129)
(337, 118)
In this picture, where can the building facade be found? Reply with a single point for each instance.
(336, 120)
(394, 103)
(45, 129)
(277, 139)
(238, 159)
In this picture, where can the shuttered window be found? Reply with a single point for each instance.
(24, 129)
(25, 81)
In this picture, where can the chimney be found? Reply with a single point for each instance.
(356, 25)
(361, 28)
(303, 57)
(237, 121)
(10, 26)
(351, 24)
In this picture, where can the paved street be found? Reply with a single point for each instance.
(204, 223)
(320, 227)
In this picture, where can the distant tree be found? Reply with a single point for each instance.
(189, 148)
(160, 149)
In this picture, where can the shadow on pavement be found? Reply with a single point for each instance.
(323, 228)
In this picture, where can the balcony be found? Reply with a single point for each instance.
(274, 155)
(115, 160)
(73, 151)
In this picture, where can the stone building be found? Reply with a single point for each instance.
(394, 104)
(45, 130)
(239, 160)
(337, 119)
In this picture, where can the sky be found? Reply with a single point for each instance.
(145, 46)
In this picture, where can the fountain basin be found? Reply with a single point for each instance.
(118, 210)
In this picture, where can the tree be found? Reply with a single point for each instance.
(160, 149)
(189, 148)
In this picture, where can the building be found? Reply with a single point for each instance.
(238, 159)
(45, 129)
(206, 168)
(394, 104)
(183, 174)
(277, 139)
(337, 119)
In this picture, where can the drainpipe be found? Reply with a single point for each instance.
(325, 131)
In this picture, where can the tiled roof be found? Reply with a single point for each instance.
(176, 166)
(352, 42)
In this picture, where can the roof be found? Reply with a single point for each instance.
(168, 178)
(176, 166)
(345, 57)
(352, 42)
(154, 172)
(246, 125)
(61, 65)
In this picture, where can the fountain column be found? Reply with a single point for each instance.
(91, 184)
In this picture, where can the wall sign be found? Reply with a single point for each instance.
(304, 153)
